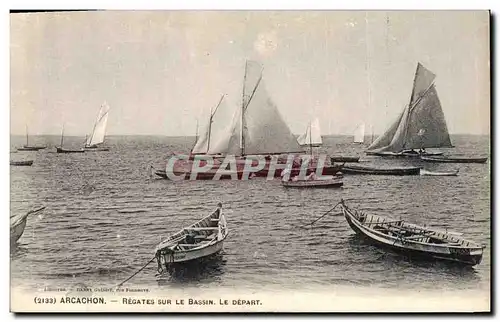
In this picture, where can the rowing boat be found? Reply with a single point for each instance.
(413, 240)
(424, 172)
(22, 163)
(453, 159)
(18, 223)
(63, 150)
(322, 183)
(402, 171)
(200, 240)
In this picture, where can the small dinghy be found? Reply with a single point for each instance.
(444, 159)
(63, 150)
(413, 240)
(424, 172)
(31, 148)
(200, 240)
(25, 163)
(335, 182)
(18, 223)
(405, 171)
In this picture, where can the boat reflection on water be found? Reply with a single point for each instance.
(202, 270)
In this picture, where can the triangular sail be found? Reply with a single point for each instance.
(359, 133)
(265, 130)
(422, 124)
(312, 135)
(99, 131)
(211, 140)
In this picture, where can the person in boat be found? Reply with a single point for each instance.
(312, 176)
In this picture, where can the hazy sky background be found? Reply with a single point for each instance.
(160, 71)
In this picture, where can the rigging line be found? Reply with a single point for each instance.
(137, 272)
(326, 213)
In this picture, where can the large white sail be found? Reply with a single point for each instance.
(263, 130)
(312, 135)
(99, 131)
(422, 124)
(213, 139)
(359, 133)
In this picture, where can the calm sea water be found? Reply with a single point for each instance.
(103, 237)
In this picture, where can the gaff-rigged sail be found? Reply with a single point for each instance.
(99, 131)
(312, 135)
(262, 129)
(422, 124)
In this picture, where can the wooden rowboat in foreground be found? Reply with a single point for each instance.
(198, 241)
(413, 240)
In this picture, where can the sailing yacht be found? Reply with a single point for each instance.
(61, 149)
(312, 136)
(95, 141)
(28, 147)
(420, 125)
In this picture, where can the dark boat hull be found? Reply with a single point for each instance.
(344, 159)
(403, 154)
(31, 148)
(453, 160)
(410, 171)
(200, 176)
(22, 163)
(62, 150)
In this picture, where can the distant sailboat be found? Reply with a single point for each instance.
(312, 135)
(29, 147)
(421, 124)
(96, 139)
(359, 133)
(61, 149)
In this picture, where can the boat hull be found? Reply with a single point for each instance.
(62, 150)
(98, 149)
(463, 256)
(31, 148)
(335, 183)
(17, 231)
(453, 160)
(435, 173)
(388, 171)
(22, 163)
(344, 159)
(402, 154)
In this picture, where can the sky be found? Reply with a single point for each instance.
(162, 71)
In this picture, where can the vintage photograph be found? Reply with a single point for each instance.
(250, 161)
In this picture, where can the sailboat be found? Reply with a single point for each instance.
(28, 147)
(359, 133)
(312, 135)
(96, 139)
(259, 129)
(420, 125)
(61, 149)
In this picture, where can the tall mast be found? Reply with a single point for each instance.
(210, 122)
(62, 136)
(242, 139)
(310, 139)
(367, 68)
(27, 144)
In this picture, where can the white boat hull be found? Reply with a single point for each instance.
(187, 256)
(17, 231)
